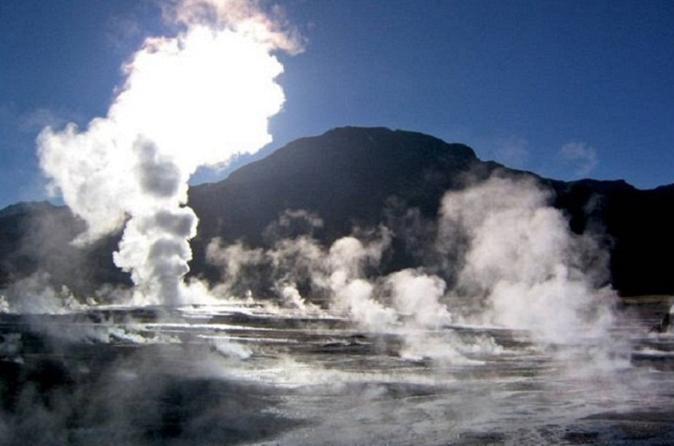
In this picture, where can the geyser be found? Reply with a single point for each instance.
(195, 99)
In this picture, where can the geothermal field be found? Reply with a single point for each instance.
(527, 351)
(244, 372)
(366, 286)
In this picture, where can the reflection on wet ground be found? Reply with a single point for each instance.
(243, 374)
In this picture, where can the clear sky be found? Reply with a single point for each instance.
(567, 89)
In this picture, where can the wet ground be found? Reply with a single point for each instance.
(246, 374)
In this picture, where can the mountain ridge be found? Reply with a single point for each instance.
(363, 177)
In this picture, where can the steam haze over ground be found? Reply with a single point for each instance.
(524, 346)
(502, 327)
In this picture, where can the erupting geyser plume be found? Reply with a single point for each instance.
(198, 98)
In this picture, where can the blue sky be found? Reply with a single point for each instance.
(566, 89)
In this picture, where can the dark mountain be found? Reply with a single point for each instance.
(35, 237)
(356, 177)
(640, 227)
(346, 176)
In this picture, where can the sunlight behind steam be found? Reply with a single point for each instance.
(198, 98)
(201, 97)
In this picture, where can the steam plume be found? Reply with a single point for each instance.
(523, 263)
(194, 99)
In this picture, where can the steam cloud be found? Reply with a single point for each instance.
(198, 98)
(515, 261)
(522, 262)
(503, 255)
(206, 95)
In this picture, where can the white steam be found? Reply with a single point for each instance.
(516, 263)
(419, 297)
(523, 263)
(343, 279)
(352, 293)
(198, 98)
(34, 295)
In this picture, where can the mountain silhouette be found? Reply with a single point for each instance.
(354, 177)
